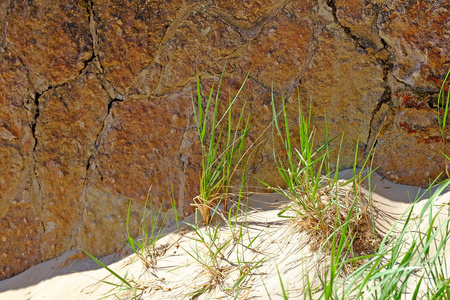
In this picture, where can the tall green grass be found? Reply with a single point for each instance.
(442, 113)
(320, 204)
(222, 150)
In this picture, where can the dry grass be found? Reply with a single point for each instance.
(338, 205)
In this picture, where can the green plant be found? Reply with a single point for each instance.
(285, 296)
(417, 249)
(320, 204)
(218, 166)
(210, 258)
(442, 113)
(145, 247)
(124, 283)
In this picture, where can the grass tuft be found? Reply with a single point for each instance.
(326, 210)
(218, 165)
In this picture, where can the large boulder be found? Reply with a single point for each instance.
(96, 108)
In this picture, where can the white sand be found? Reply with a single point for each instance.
(177, 275)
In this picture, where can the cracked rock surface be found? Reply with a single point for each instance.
(96, 108)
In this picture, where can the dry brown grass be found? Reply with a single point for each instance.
(337, 205)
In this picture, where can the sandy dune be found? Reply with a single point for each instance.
(268, 243)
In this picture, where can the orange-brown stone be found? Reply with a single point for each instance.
(95, 102)
(70, 121)
(52, 39)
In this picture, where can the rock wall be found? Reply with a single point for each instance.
(95, 101)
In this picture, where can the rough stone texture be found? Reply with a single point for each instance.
(52, 39)
(21, 232)
(145, 136)
(418, 34)
(70, 120)
(326, 91)
(106, 211)
(411, 143)
(96, 109)
(359, 19)
(19, 222)
(16, 142)
(272, 62)
(130, 35)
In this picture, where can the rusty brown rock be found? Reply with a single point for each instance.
(418, 34)
(360, 18)
(142, 148)
(20, 239)
(16, 142)
(202, 39)
(411, 143)
(349, 101)
(19, 216)
(52, 39)
(70, 121)
(106, 211)
(250, 12)
(280, 53)
(130, 34)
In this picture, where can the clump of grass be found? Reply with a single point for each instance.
(322, 207)
(145, 247)
(218, 166)
(213, 249)
(211, 258)
(151, 230)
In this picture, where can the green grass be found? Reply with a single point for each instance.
(320, 204)
(218, 163)
(442, 113)
(337, 220)
(404, 253)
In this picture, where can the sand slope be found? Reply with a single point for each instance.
(246, 267)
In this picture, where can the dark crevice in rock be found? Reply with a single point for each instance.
(92, 27)
(86, 65)
(110, 104)
(102, 132)
(100, 136)
(386, 98)
(95, 59)
(88, 5)
(91, 160)
(35, 118)
(347, 31)
(33, 124)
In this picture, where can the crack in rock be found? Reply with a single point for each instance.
(347, 30)
(386, 98)
(382, 57)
